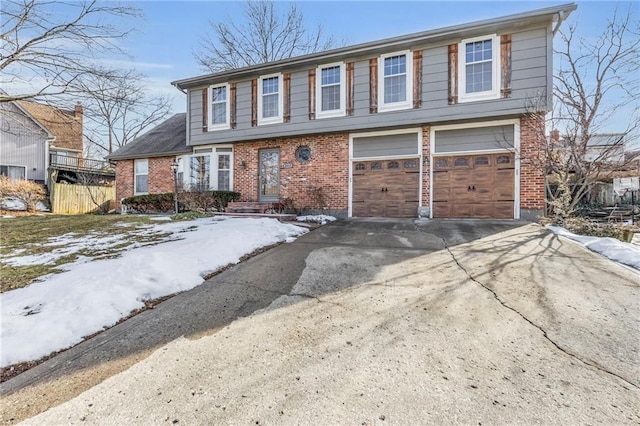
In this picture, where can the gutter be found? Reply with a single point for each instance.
(562, 11)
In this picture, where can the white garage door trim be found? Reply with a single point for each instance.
(352, 136)
(516, 149)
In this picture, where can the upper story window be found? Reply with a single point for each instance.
(330, 90)
(270, 99)
(141, 176)
(219, 111)
(395, 81)
(479, 68)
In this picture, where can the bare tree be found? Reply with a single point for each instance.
(263, 36)
(597, 80)
(46, 46)
(118, 108)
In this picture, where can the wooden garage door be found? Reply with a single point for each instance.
(478, 186)
(387, 188)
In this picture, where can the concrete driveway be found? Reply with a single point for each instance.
(368, 322)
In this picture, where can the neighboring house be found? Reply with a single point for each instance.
(35, 136)
(606, 148)
(433, 124)
(143, 166)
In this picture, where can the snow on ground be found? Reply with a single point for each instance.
(59, 311)
(611, 248)
(320, 218)
(18, 205)
(68, 244)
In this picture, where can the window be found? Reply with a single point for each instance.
(270, 99)
(141, 176)
(14, 172)
(180, 172)
(211, 169)
(330, 90)
(200, 169)
(219, 111)
(224, 169)
(395, 81)
(479, 68)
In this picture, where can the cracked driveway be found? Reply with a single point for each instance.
(368, 322)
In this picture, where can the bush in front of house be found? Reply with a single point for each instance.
(27, 192)
(150, 203)
(195, 200)
(202, 201)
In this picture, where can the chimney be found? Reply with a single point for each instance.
(78, 111)
(554, 136)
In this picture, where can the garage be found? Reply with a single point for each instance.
(385, 174)
(474, 171)
(387, 188)
(474, 186)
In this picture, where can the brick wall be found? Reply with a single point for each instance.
(160, 177)
(328, 169)
(531, 177)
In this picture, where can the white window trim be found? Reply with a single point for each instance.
(17, 166)
(393, 106)
(494, 93)
(230, 154)
(227, 123)
(213, 165)
(270, 120)
(135, 177)
(343, 92)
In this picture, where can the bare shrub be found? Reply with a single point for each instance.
(29, 193)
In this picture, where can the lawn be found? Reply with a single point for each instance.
(38, 245)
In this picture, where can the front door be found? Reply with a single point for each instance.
(269, 175)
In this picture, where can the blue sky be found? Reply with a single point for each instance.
(163, 45)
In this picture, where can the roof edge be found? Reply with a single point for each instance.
(362, 48)
(147, 155)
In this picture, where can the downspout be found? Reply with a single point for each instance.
(561, 17)
(188, 130)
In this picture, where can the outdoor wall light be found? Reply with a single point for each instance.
(243, 164)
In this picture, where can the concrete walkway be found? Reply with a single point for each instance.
(370, 322)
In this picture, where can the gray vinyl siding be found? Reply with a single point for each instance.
(386, 146)
(530, 65)
(476, 139)
(22, 142)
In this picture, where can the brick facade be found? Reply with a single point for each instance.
(531, 176)
(160, 177)
(328, 170)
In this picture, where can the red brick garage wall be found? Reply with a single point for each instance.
(327, 169)
(531, 177)
(160, 177)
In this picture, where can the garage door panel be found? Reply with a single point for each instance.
(387, 188)
(479, 186)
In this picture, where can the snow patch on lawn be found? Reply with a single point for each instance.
(320, 218)
(59, 311)
(18, 205)
(611, 248)
(70, 243)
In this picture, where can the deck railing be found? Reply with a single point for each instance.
(76, 164)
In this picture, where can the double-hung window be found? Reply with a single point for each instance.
(270, 99)
(395, 81)
(219, 111)
(141, 176)
(479, 68)
(224, 157)
(330, 90)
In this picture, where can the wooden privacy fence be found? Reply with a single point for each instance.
(80, 199)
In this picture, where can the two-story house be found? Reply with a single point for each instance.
(432, 124)
(34, 136)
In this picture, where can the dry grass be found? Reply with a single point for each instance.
(27, 233)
